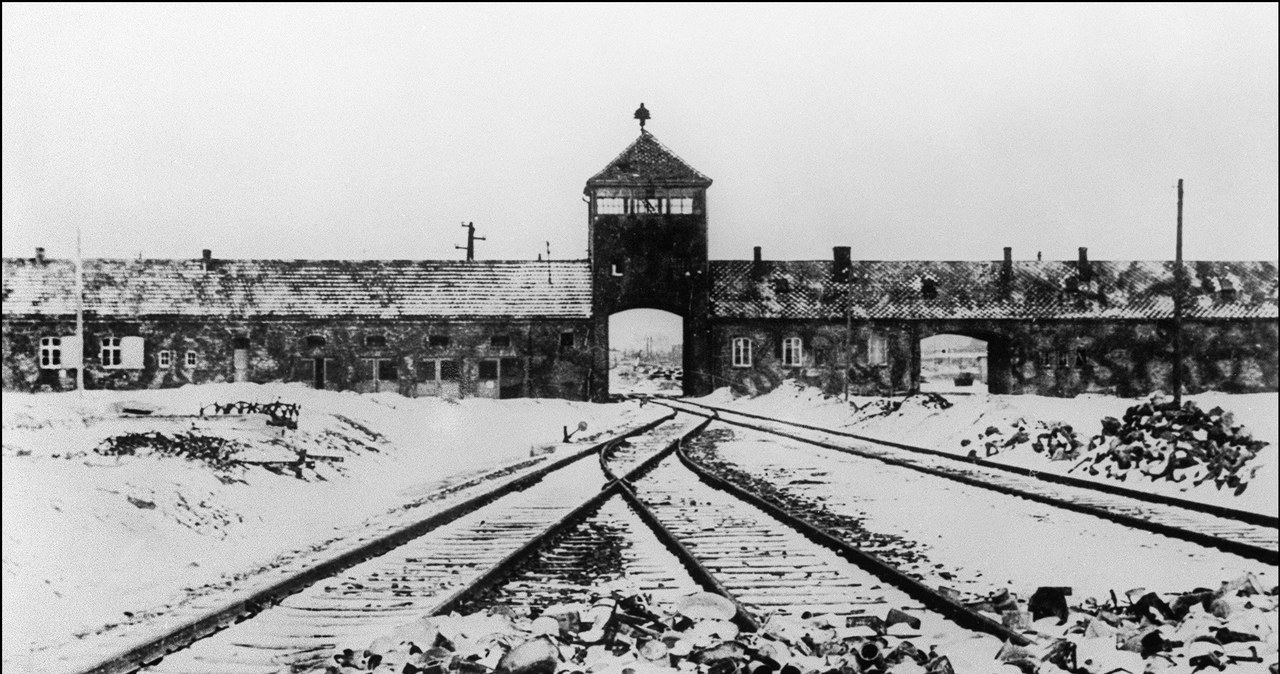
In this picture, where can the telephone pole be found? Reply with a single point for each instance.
(1177, 308)
(471, 241)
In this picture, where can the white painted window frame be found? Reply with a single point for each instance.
(164, 359)
(741, 351)
(111, 352)
(51, 353)
(792, 352)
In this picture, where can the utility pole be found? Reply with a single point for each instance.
(471, 241)
(1177, 308)
(79, 315)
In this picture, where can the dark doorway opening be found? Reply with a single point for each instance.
(318, 372)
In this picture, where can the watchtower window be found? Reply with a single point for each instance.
(610, 205)
(681, 206)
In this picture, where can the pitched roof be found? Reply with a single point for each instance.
(302, 288)
(648, 162)
(972, 290)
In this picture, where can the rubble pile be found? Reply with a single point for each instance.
(622, 634)
(1056, 441)
(1200, 630)
(1156, 440)
(1162, 441)
(215, 451)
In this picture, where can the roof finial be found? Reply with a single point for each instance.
(642, 115)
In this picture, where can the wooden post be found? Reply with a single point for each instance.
(80, 313)
(1177, 308)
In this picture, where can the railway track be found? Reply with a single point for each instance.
(1245, 534)
(409, 571)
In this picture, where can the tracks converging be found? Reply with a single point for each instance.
(636, 509)
(1243, 533)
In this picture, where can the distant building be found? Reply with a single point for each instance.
(538, 328)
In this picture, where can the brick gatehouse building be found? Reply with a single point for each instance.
(541, 328)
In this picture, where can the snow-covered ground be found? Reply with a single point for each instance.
(93, 540)
(926, 425)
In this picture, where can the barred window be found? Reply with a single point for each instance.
(193, 357)
(741, 352)
(164, 358)
(51, 352)
(792, 351)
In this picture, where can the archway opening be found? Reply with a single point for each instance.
(954, 364)
(646, 353)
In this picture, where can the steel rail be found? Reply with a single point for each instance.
(1245, 516)
(239, 610)
(1230, 545)
(499, 573)
(930, 598)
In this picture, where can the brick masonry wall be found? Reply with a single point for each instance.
(535, 365)
(1055, 358)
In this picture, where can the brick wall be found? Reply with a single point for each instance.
(533, 363)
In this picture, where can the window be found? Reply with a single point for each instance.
(928, 289)
(51, 352)
(616, 269)
(610, 206)
(500, 341)
(782, 285)
(681, 206)
(488, 369)
(566, 340)
(375, 341)
(241, 342)
(386, 369)
(877, 350)
(438, 341)
(165, 358)
(450, 370)
(741, 352)
(648, 205)
(314, 341)
(427, 370)
(122, 353)
(192, 358)
(111, 352)
(792, 351)
(1048, 359)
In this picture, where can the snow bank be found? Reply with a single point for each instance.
(91, 540)
(914, 420)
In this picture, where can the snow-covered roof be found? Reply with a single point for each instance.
(648, 162)
(973, 290)
(302, 288)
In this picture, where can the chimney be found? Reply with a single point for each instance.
(206, 261)
(1006, 272)
(757, 265)
(1083, 271)
(39, 255)
(842, 263)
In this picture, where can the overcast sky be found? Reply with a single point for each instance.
(929, 132)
